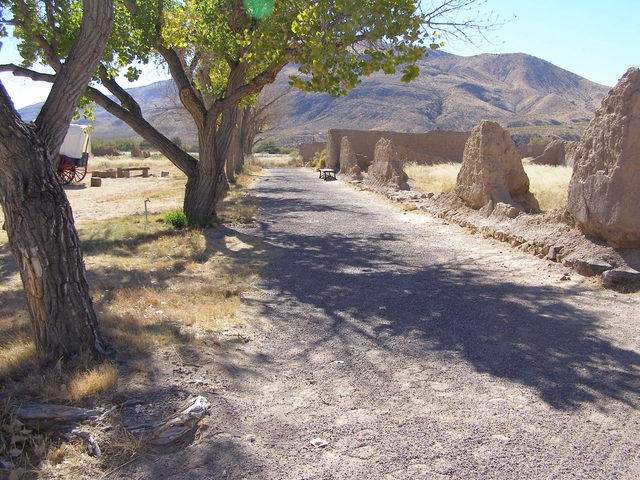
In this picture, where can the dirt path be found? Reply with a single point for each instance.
(415, 351)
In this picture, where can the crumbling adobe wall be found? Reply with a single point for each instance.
(604, 191)
(349, 169)
(526, 151)
(409, 156)
(386, 170)
(448, 145)
(308, 150)
(557, 153)
(491, 177)
(553, 155)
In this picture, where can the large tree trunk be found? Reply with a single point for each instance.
(38, 217)
(45, 244)
(206, 185)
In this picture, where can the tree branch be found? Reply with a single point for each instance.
(127, 101)
(48, 50)
(191, 101)
(233, 98)
(185, 162)
(71, 81)
(28, 73)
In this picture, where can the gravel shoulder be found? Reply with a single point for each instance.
(414, 350)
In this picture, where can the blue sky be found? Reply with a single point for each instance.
(598, 40)
(595, 39)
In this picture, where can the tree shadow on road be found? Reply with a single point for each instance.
(526, 334)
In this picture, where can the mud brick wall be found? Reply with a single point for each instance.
(531, 150)
(308, 150)
(448, 145)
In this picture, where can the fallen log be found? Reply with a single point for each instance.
(38, 413)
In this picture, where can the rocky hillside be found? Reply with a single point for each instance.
(452, 92)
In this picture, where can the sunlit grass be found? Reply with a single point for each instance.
(155, 162)
(97, 380)
(274, 161)
(548, 184)
(16, 357)
(436, 179)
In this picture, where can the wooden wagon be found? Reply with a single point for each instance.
(74, 154)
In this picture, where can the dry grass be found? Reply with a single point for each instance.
(97, 380)
(16, 357)
(153, 287)
(548, 184)
(123, 161)
(433, 178)
(274, 161)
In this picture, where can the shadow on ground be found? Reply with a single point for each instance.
(524, 334)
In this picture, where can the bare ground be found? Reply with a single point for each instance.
(412, 348)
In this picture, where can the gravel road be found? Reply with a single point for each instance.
(414, 350)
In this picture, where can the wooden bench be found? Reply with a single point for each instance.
(127, 170)
(327, 174)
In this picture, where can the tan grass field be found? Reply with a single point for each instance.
(274, 161)
(548, 184)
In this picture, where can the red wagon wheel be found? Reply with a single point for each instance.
(66, 170)
(80, 173)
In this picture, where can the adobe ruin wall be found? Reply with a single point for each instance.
(448, 145)
(308, 150)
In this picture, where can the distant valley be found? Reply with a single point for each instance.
(521, 92)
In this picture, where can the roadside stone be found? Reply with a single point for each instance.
(553, 252)
(590, 267)
(617, 277)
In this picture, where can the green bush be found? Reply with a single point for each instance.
(177, 219)
(124, 145)
(269, 146)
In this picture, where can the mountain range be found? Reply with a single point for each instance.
(451, 93)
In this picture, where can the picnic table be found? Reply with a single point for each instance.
(327, 174)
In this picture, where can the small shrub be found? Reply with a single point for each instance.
(319, 159)
(176, 219)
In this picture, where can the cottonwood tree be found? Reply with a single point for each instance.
(38, 218)
(219, 52)
(258, 116)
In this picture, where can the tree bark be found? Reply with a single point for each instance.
(38, 218)
(240, 147)
(45, 244)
